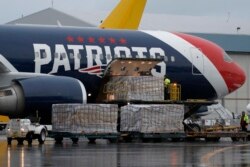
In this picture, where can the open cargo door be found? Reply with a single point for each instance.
(131, 67)
(129, 79)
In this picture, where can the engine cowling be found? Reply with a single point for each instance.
(31, 95)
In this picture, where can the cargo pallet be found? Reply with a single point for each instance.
(58, 136)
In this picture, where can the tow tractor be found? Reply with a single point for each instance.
(3, 122)
(24, 129)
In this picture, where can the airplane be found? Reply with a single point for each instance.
(42, 65)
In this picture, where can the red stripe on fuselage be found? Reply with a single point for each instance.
(233, 75)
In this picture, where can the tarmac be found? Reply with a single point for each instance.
(188, 154)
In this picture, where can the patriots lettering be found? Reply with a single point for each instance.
(95, 55)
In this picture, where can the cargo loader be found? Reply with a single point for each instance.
(136, 123)
(136, 109)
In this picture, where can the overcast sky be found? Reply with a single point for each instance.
(232, 13)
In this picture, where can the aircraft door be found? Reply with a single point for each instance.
(197, 61)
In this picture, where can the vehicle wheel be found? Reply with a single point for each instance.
(113, 140)
(127, 139)
(216, 139)
(20, 141)
(212, 139)
(176, 139)
(42, 137)
(29, 138)
(75, 140)
(92, 140)
(9, 140)
(58, 140)
(235, 139)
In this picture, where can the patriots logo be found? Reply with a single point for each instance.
(94, 70)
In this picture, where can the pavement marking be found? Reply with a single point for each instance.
(205, 160)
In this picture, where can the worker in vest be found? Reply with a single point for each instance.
(166, 85)
(244, 121)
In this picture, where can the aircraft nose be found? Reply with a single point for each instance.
(235, 77)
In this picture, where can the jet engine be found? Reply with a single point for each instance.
(36, 95)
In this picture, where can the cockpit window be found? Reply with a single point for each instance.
(227, 58)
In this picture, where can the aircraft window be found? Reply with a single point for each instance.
(44, 55)
(227, 58)
(56, 55)
(108, 56)
(172, 58)
(63, 55)
(101, 56)
(79, 56)
(71, 55)
(166, 59)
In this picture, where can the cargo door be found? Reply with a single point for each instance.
(197, 61)
(131, 66)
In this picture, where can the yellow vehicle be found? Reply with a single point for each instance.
(3, 121)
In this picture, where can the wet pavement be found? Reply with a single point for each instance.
(172, 154)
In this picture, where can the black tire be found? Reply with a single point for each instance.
(190, 139)
(2, 127)
(113, 140)
(29, 138)
(212, 139)
(127, 139)
(235, 139)
(176, 139)
(42, 137)
(92, 140)
(20, 141)
(157, 140)
(216, 139)
(58, 140)
(75, 140)
(9, 139)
